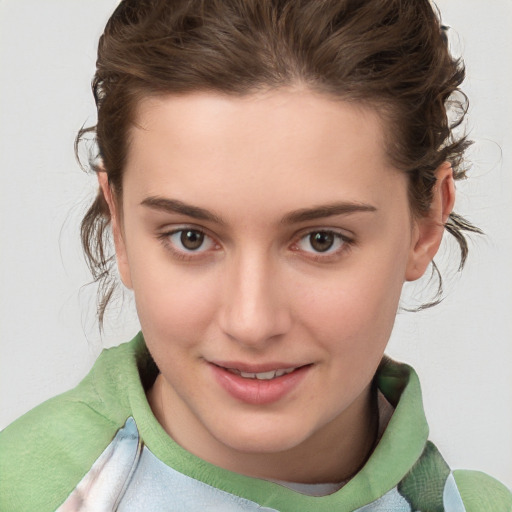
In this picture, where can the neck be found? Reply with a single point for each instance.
(333, 454)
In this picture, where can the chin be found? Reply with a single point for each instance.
(262, 440)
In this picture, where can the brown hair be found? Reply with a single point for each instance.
(390, 54)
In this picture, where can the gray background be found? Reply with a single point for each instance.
(462, 349)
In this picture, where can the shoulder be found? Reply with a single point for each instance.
(46, 452)
(481, 492)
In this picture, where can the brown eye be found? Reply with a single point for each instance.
(322, 241)
(189, 243)
(191, 239)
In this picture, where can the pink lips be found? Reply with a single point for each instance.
(255, 391)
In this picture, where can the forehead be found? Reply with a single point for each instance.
(302, 145)
(250, 121)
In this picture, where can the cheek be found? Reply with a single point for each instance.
(172, 304)
(355, 309)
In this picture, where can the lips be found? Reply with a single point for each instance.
(258, 385)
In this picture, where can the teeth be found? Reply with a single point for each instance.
(259, 376)
(280, 373)
(264, 375)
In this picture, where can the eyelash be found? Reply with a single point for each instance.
(329, 255)
(185, 254)
(189, 255)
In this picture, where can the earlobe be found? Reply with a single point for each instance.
(121, 256)
(428, 230)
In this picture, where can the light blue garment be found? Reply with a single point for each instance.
(127, 477)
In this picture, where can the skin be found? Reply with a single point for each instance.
(257, 291)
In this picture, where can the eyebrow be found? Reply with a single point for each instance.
(175, 206)
(294, 217)
(328, 210)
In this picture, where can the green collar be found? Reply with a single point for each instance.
(402, 442)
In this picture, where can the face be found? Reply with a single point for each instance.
(266, 239)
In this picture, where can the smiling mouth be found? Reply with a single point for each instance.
(259, 384)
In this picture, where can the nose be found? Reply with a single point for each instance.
(255, 311)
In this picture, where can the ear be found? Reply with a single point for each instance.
(429, 229)
(121, 255)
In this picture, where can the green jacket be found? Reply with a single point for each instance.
(99, 447)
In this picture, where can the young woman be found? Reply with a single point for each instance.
(272, 173)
